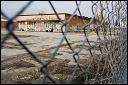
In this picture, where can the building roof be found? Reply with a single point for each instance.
(4, 20)
(48, 16)
(44, 14)
(35, 17)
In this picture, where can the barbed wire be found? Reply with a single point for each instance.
(109, 66)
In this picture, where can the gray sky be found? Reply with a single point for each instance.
(11, 7)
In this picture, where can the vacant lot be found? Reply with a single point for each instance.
(19, 67)
(40, 41)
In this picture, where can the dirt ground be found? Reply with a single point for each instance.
(39, 41)
(17, 66)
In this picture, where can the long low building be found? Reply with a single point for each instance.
(48, 22)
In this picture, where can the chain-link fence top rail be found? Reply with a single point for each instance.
(110, 65)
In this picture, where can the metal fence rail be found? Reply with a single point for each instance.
(111, 64)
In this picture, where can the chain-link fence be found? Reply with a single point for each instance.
(110, 65)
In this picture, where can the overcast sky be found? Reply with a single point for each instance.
(11, 7)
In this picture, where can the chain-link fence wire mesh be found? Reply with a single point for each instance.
(110, 66)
